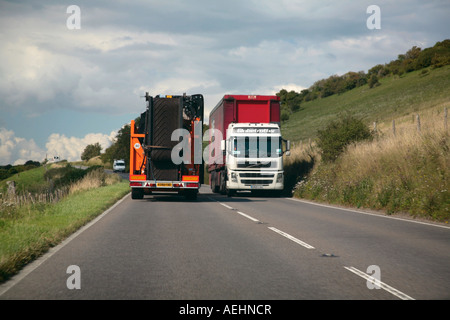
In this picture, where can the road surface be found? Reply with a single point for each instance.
(241, 248)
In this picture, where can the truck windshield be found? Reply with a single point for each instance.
(256, 147)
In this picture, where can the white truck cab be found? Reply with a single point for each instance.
(254, 157)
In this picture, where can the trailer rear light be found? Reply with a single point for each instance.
(135, 184)
(191, 185)
(177, 185)
(190, 178)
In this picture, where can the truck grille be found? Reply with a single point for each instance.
(248, 164)
(256, 181)
(256, 175)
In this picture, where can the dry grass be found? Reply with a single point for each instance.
(95, 161)
(94, 179)
(400, 150)
(408, 171)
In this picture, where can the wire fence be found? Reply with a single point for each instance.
(26, 198)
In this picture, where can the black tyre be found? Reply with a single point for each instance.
(223, 186)
(137, 193)
(214, 186)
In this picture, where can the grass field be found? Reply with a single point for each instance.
(396, 97)
(28, 230)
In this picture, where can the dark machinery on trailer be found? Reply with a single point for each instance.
(152, 167)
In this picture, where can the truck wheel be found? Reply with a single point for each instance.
(214, 186)
(222, 188)
(137, 193)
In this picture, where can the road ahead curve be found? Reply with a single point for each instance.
(163, 247)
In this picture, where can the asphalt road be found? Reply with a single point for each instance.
(241, 248)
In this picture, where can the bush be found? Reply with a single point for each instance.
(91, 150)
(373, 81)
(284, 116)
(63, 176)
(340, 133)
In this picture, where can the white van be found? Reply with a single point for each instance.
(119, 166)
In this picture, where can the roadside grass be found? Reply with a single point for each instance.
(403, 172)
(29, 230)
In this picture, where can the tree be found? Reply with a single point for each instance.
(91, 150)
(290, 100)
(120, 149)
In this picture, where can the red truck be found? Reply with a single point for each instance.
(156, 162)
(251, 156)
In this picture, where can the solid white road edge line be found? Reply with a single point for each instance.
(33, 265)
(382, 285)
(367, 213)
(284, 234)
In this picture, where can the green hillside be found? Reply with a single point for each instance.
(395, 97)
(27, 181)
(403, 172)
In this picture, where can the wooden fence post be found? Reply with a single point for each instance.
(445, 118)
(393, 126)
(418, 123)
(11, 190)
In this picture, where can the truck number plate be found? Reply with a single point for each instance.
(253, 186)
(161, 184)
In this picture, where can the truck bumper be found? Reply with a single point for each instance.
(238, 180)
(166, 186)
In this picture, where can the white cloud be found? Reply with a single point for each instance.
(288, 87)
(16, 150)
(71, 148)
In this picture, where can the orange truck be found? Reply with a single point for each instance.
(166, 146)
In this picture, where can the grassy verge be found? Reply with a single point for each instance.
(28, 231)
(403, 172)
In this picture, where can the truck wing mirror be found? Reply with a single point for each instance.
(223, 145)
(288, 147)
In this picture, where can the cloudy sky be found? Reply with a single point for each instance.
(62, 88)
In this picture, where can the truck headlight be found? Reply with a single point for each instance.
(233, 177)
(280, 177)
